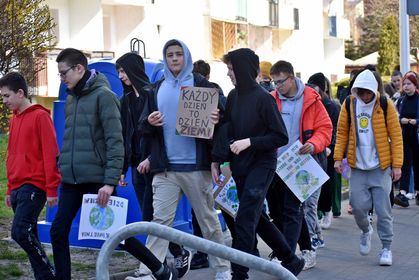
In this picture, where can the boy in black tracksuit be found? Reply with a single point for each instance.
(254, 130)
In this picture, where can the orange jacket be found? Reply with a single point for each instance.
(315, 125)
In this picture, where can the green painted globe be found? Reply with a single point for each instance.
(232, 194)
(101, 218)
(302, 177)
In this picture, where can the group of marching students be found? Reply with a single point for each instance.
(373, 134)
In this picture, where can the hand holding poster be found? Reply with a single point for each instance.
(301, 173)
(99, 223)
(226, 195)
(193, 117)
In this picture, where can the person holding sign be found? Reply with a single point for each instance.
(32, 172)
(374, 145)
(252, 129)
(306, 120)
(180, 164)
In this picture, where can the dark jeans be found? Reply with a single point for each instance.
(411, 159)
(27, 202)
(286, 210)
(251, 219)
(144, 193)
(69, 203)
(304, 241)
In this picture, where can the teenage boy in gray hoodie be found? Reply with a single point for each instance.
(375, 154)
(181, 165)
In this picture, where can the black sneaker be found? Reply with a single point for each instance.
(199, 260)
(295, 266)
(417, 199)
(401, 200)
(183, 263)
(170, 273)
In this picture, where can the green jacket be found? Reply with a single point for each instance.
(92, 150)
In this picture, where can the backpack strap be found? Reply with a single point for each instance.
(383, 104)
(348, 108)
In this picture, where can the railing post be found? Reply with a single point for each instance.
(189, 240)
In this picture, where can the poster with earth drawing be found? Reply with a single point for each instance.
(301, 173)
(98, 222)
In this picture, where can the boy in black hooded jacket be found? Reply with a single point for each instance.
(255, 131)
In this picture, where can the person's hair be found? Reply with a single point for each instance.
(72, 57)
(328, 89)
(201, 67)
(172, 42)
(379, 81)
(14, 81)
(282, 66)
(226, 58)
(397, 73)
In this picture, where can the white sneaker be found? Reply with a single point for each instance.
(309, 257)
(365, 242)
(225, 275)
(386, 257)
(410, 195)
(327, 220)
(141, 273)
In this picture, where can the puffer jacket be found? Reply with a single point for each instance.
(388, 140)
(93, 150)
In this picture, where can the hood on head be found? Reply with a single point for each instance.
(245, 66)
(133, 65)
(187, 62)
(366, 80)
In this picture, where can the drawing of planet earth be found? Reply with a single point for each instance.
(101, 218)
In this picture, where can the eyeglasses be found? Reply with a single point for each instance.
(280, 82)
(63, 74)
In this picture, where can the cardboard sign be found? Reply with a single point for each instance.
(99, 223)
(226, 195)
(301, 173)
(193, 117)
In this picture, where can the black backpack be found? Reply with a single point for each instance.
(383, 104)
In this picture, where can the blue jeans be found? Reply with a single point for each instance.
(27, 203)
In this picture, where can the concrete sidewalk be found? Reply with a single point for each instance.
(340, 258)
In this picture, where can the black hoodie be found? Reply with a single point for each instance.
(132, 107)
(251, 112)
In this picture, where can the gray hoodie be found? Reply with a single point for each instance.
(291, 114)
(180, 149)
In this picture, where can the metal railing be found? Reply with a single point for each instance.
(188, 240)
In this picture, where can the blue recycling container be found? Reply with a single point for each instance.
(154, 70)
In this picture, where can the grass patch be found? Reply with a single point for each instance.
(10, 270)
(78, 266)
(8, 253)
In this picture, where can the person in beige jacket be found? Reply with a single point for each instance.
(375, 155)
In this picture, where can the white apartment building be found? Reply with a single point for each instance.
(308, 33)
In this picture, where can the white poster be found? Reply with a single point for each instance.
(301, 173)
(97, 222)
(226, 196)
